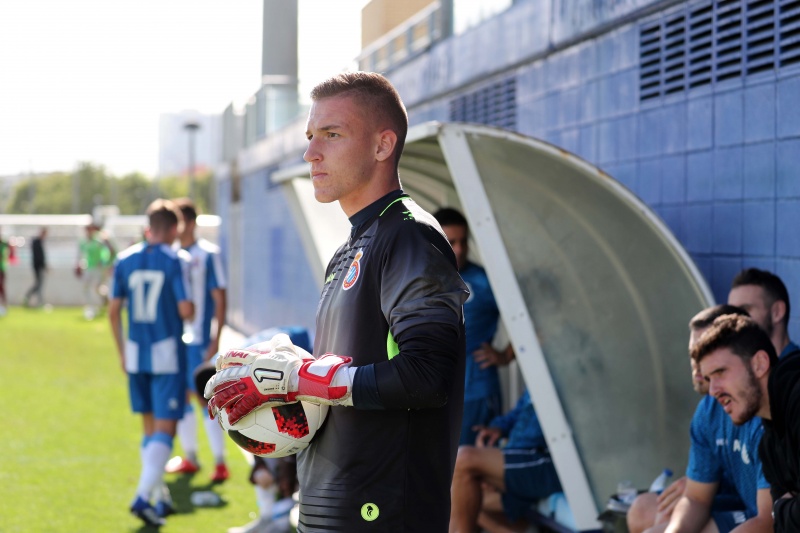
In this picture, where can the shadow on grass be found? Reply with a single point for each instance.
(182, 489)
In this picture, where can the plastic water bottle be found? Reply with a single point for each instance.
(660, 483)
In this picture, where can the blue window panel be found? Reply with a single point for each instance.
(724, 270)
(789, 107)
(703, 264)
(628, 47)
(531, 117)
(699, 176)
(728, 174)
(673, 218)
(759, 171)
(607, 142)
(649, 187)
(759, 113)
(552, 103)
(626, 174)
(587, 59)
(759, 228)
(794, 327)
(554, 67)
(651, 124)
(587, 143)
(589, 101)
(531, 81)
(569, 107)
(605, 54)
(673, 179)
(698, 220)
(627, 86)
(727, 228)
(700, 121)
(728, 119)
(608, 95)
(788, 237)
(569, 140)
(788, 171)
(570, 66)
(789, 272)
(762, 263)
(674, 128)
(626, 137)
(277, 268)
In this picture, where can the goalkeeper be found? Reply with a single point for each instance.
(389, 334)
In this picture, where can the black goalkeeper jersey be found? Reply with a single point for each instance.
(392, 301)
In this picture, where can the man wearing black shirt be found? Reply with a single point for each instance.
(39, 264)
(389, 337)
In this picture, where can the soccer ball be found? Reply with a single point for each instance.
(276, 431)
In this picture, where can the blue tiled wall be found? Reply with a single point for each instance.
(719, 163)
(277, 285)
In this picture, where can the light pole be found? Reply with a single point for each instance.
(191, 127)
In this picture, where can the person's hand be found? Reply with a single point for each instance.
(487, 356)
(274, 373)
(670, 496)
(487, 436)
(258, 375)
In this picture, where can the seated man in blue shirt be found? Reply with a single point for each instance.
(724, 488)
(521, 472)
(482, 396)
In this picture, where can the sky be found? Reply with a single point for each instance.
(86, 80)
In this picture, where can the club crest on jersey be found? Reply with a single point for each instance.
(352, 273)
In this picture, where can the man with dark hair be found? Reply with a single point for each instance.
(207, 282)
(6, 251)
(153, 279)
(748, 380)
(389, 336)
(39, 265)
(765, 298)
(724, 488)
(482, 396)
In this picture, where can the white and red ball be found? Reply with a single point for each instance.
(276, 431)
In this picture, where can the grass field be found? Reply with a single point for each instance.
(69, 445)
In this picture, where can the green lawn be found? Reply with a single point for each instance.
(69, 445)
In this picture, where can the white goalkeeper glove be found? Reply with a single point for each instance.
(274, 373)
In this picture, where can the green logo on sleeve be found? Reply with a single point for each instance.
(369, 512)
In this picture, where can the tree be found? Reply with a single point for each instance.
(89, 185)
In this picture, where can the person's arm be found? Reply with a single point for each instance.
(181, 285)
(693, 510)
(216, 284)
(186, 309)
(115, 318)
(669, 498)
(762, 522)
(487, 436)
(772, 454)
(487, 356)
(220, 308)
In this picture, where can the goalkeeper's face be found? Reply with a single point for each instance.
(344, 150)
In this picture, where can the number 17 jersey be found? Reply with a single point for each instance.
(153, 278)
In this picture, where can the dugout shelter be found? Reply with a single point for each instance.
(594, 291)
